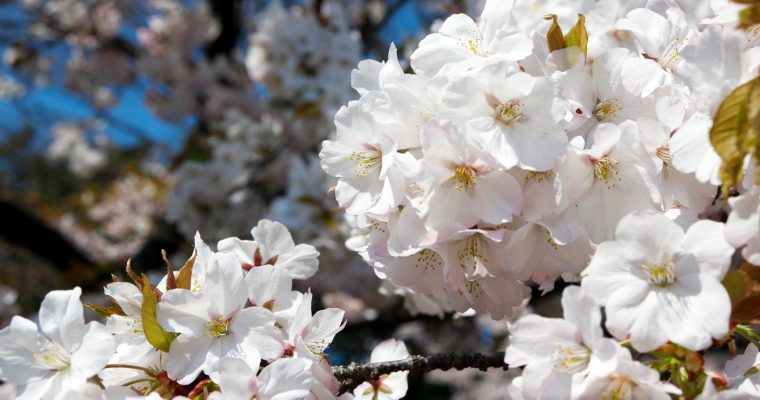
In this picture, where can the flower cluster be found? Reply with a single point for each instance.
(225, 326)
(302, 54)
(514, 148)
(661, 297)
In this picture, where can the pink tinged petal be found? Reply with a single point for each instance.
(126, 295)
(254, 327)
(364, 78)
(639, 322)
(184, 312)
(638, 227)
(43, 389)
(237, 379)
(534, 337)
(512, 47)
(575, 175)
(677, 309)
(301, 262)
(708, 308)
(274, 238)
(187, 357)
(267, 283)
(706, 241)
(18, 343)
(397, 383)
(98, 345)
(335, 159)
(21, 332)
(225, 286)
(692, 152)
(496, 16)
(389, 350)
(540, 381)
(537, 150)
(322, 328)
(650, 28)
(615, 274)
(524, 248)
(581, 310)
(285, 379)
(242, 249)
(62, 318)
(358, 195)
(497, 197)
(365, 391)
(641, 76)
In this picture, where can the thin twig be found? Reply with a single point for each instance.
(352, 375)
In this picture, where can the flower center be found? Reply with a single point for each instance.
(474, 250)
(619, 388)
(663, 153)
(472, 44)
(365, 161)
(571, 359)
(473, 288)
(660, 274)
(539, 176)
(428, 259)
(605, 170)
(672, 54)
(508, 111)
(464, 177)
(218, 327)
(607, 109)
(52, 356)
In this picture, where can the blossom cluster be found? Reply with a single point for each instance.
(513, 150)
(225, 326)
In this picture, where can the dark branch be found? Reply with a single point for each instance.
(228, 15)
(352, 375)
(22, 228)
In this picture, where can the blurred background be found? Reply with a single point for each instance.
(128, 125)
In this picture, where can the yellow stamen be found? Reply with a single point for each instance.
(539, 176)
(571, 359)
(218, 327)
(607, 109)
(663, 153)
(660, 274)
(365, 161)
(605, 170)
(464, 177)
(619, 388)
(508, 111)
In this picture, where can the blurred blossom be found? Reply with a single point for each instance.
(71, 146)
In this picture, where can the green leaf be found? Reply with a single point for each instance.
(578, 35)
(555, 40)
(157, 336)
(734, 133)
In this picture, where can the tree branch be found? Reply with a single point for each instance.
(352, 375)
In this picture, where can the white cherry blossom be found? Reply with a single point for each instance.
(391, 386)
(659, 283)
(58, 355)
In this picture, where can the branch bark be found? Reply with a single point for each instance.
(352, 375)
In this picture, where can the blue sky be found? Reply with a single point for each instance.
(44, 106)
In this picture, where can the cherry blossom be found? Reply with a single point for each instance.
(656, 289)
